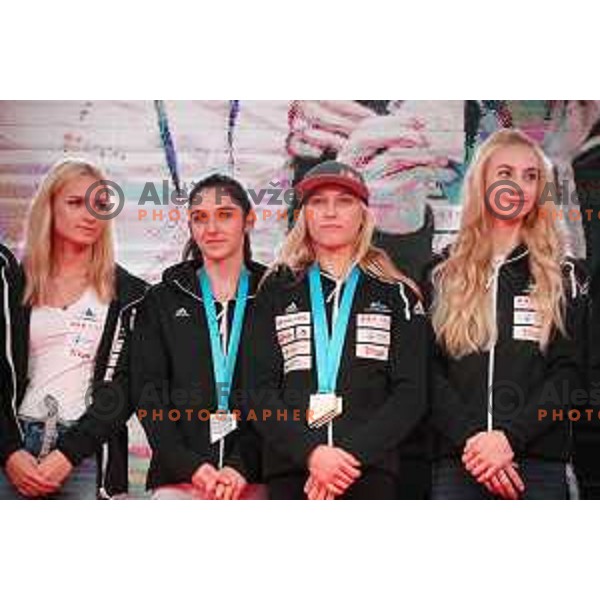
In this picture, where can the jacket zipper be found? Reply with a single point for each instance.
(108, 375)
(492, 354)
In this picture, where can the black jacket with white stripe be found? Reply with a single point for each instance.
(101, 430)
(10, 286)
(172, 379)
(510, 386)
(382, 377)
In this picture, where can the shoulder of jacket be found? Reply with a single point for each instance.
(130, 287)
(277, 279)
(7, 258)
(408, 302)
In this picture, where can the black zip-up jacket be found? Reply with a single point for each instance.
(171, 369)
(101, 430)
(382, 377)
(515, 376)
(10, 285)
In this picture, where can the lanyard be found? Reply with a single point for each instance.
(224, 365)
(329, 350)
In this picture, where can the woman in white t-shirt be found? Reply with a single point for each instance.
(70, 403)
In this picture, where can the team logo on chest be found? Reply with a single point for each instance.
(373, 332)
(294, 337)
(526, 324)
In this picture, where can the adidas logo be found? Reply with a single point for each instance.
(181, 312)
(292, 308)
(419, 310)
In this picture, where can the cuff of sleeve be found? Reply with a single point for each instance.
(72, 447)
(516, 442)
(184, 465)
(8, 449)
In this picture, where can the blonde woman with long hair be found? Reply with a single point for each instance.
(506, 311)
(70, 403)
(338, 368)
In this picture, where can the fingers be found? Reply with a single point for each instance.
(493, 486)
(500, 485)
(237, 491)
(335, 489)
(313, 493)
(486, 472)
(219, 491)
(515, 478)
(308, 485)
(310, 488)
(210, 485)
(316, 491)
(27, 490)
(489, 486)
(228, 492)
(321, 493)
(342, 482)
(39, 483)
(476, 466)
(509, 492)
(353, 461)
(348, 471)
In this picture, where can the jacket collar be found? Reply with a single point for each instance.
(128, 287)
(184, 276)
(519, 252)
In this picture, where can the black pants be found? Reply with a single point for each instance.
(544, 480)
(372, 485)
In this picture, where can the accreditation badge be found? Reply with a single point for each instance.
(323, 408)
(221, 425)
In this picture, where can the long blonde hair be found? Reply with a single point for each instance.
(462, 315)
(39, 252)
(297, 252)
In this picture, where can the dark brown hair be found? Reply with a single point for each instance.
(225, 186)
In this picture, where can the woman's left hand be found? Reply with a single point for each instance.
(56, 467)
(230, 484)
(486, 453)
(315, 491)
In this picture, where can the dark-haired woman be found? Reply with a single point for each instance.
(189, 343)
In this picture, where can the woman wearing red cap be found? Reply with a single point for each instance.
(335, 382)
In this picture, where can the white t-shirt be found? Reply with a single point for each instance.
(62, 348)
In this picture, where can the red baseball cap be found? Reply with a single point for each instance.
(332, 172)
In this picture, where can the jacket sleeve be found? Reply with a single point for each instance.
(564, 372)
(11, 285)
(109, 403)
(233, 442)
(406, 403)
(150, 392)
(264, 385)
(10, 437)
(233, 453)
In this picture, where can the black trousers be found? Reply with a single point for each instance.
(544, 480)
(372, 485)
